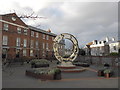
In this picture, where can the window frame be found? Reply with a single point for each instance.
(19, 30)
(43, 36)
(25, 43)
(5, 40)
(18, 42)
(5, 28)
(25, 31)
(32, 33)
(37, 35)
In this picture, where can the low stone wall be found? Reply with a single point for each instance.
(100, 60)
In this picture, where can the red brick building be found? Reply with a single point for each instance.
(19, 39)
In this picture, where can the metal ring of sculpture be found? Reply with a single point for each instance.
(70, 37)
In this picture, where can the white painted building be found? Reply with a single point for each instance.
(114, 47)
(102, 47)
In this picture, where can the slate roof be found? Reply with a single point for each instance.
(40, 30)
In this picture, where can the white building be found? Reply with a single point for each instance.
(99, 48)
(102, 47)
(114, 47)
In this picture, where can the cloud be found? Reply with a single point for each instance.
(86, 20)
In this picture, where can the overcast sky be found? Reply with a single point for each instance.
(88, 21)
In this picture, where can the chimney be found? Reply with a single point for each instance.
(95, 42)
(113, 39)
(107, 39)
(49, 30)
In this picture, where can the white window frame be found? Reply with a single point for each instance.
(5, 40)
(43, 53)
(43, 45)
(37, 34)
(32, 44)
(18, 41)
(31, 52)
(37, 44)
(43, 36)
(47, 37)
(32, 33)
(24, 52)
(19, 30)
(25, 43)
(47, 45)
(6, 26)
(25, 32)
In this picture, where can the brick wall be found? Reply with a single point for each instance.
(13, 34)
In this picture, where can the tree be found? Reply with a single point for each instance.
(81, 52)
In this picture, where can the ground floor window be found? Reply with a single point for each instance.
(24, 52)
(31, 52)
(43, 53)
(17, 53)
(4, 53)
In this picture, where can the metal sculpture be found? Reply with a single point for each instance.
(66, 61)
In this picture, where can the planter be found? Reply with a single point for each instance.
(39, 65)
(107, 75)
(40, 76)
(56, 76)
(100, 72)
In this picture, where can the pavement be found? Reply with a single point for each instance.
(14, 77)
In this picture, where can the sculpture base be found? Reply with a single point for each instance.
(69, 67)
(66, 65)
(73, 70)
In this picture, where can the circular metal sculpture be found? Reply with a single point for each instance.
(75, 49)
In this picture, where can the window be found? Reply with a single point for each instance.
(47, 46)
(43, 45)
(31, 52)
(5, 27)
(18, 42)
(32, 44)
(43, 36)
(43, 53)
(32, 33)
(114, 47)
(19, 30)
(37, 35)
(99, 42)
(24, 52)
(47, 37)
(25, 32)
(25, 43)
(5, 40)
(36, 44)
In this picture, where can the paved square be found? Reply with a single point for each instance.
(14, 77)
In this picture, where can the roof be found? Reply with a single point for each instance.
(40, 30)
(90, 43)
(30, 27)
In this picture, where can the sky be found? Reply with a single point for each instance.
(87, 21)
